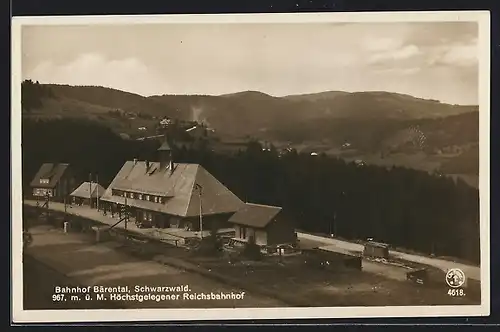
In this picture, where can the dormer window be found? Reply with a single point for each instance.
(44, 181)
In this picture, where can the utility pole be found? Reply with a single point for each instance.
(47, 200)
(90, 190)
(200, 193)
(97, 190)
(126, 213)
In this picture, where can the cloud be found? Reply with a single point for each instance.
(128, 74)
(457, 55)
(401, 53)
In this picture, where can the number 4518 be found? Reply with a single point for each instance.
(456, 292)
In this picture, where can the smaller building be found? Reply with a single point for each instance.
(376, 249)
(54, 180)
(87, 194)
(266, 225)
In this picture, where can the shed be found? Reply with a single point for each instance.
(266, 225)
(54, 180)
(376, 249)
(87, 193)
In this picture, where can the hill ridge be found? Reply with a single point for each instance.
(240, 114)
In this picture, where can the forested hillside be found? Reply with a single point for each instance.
(250, 113)
(405, 207)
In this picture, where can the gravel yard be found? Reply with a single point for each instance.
(78, 262)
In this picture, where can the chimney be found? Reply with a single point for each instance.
(171, 166)
(135, 161)
(147, 165)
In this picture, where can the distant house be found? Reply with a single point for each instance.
(165, 122)
(267, 225)
(359, 162)
(87, 193)
(167, 194)
(53, 180)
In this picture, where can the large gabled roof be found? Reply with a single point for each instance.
(50, 171)
(178, 186)
(255, 215)
(86, 188)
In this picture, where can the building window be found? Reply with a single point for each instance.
(156, 199)
(243, 233)
(148, 216)
(43, 192)
(140, 196)
(44, 181)
(147, 197)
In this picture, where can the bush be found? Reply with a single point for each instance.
(252, 250)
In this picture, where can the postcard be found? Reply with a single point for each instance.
(250, 166)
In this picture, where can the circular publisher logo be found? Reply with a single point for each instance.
(455, 278)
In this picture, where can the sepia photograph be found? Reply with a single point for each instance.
(250, 166)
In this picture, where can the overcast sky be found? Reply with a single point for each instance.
(429, 60)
